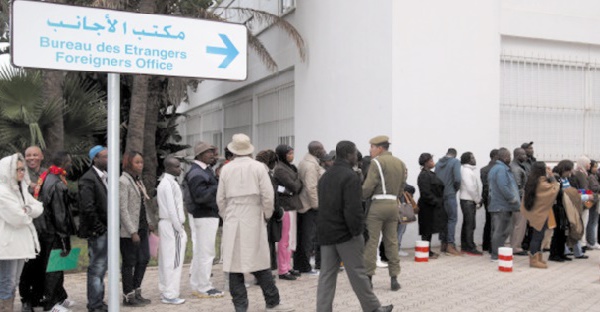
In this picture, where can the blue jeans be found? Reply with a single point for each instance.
(98, 253)
(536, 239)
(10, 272)
(451, 206)
(401, 230)
(501, 228)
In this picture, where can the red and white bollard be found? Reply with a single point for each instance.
(505, 259)
(422, 251)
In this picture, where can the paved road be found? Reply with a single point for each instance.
(463, 284)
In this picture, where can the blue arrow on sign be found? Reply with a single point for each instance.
(229, 51)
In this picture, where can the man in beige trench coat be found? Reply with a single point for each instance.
(245, 199)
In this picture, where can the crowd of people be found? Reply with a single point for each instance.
(330, 213)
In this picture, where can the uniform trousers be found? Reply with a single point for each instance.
(382, 218)
(171, 252)
(351, 254)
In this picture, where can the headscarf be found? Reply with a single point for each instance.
(582, 164)
(282, 150)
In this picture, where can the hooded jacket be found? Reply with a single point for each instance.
(447, 169)
(18, 237)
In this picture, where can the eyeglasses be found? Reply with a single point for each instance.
(20, 169)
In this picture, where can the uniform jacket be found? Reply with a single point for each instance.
(341, 215)
(545, 196)
(287, 177)
(18, 237)
(93, 205)
(504, 193)
(394, 173)
(431, 203)
(245, 201)
(310, 172)
(470, 186)
(130, 203)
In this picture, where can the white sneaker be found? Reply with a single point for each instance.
(402, 253)
(312, 273)
(280, 308)
(172, 301)
(596, 246)
(67, 303)
(381, 264)
(59, 308)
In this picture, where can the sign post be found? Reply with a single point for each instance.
(63, 37)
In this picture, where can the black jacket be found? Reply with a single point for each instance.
(341, 216)
(202, 185)
(93, 205)
(431, 203)
(287, 176)
(57, 211)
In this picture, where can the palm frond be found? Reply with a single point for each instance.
(262, 52)
(274, 20)
(20, 94)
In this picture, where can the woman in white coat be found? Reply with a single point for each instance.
(18, 238)
(245, 200)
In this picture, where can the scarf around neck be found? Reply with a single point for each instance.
(60, 172)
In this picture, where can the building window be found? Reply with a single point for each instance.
(287, 6)
(553, 102)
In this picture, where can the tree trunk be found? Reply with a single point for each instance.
(139, 96)
(52, 91)
(137, 114)
(150, 154)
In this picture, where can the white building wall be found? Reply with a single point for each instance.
(344, 90)
(446, 58)
(427, 74)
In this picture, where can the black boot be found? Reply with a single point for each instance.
(142, 300)
(387, 308)
(395, 284)
(130, 301)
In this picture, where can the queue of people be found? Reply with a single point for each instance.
(331, 211)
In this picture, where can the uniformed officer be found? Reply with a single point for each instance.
(383, 212)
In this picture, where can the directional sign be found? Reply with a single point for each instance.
(55, 36)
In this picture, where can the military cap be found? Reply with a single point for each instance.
(380, 139)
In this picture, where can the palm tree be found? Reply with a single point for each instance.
(25, 117)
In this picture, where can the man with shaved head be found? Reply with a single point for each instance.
(309, 171)
(172, 233)
(33, 159)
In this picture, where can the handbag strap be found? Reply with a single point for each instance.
(381, 174)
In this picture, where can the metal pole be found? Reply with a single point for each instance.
(114, 151)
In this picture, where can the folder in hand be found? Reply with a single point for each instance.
(58, 263)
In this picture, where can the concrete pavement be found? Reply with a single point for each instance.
(467, 283)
